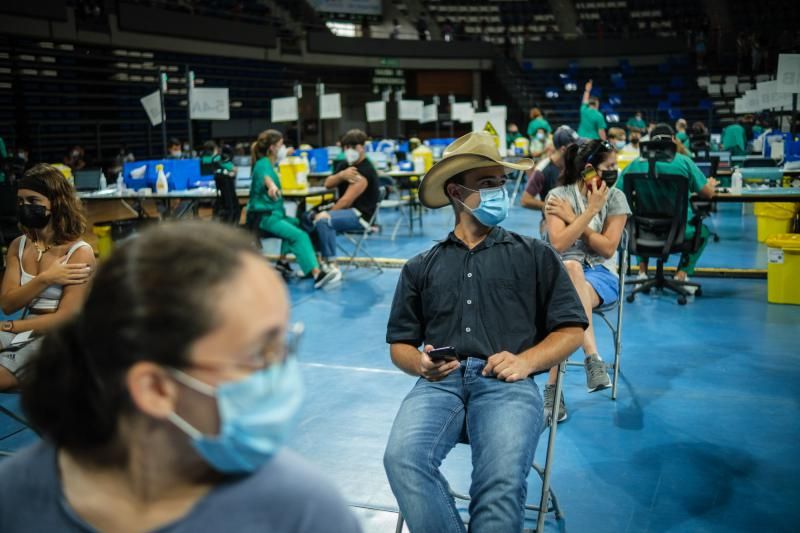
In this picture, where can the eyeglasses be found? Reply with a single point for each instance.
(262, 358)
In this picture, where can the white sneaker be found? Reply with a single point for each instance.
(689, 288)
(641, 276)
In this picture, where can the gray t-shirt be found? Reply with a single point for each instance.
(285, 495)
(616, 204)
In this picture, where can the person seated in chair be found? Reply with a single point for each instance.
(357, 182)
(585, 218)
(505, 306)
(680, 165)
(166, 401)
(266, 199)
(47, 268)
(546, 172)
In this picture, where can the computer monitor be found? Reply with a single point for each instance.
(87, 180)
(705, 167)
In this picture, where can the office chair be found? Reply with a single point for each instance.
(657, 227)
(548, 503)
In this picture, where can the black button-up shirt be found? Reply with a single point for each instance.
(507, 293)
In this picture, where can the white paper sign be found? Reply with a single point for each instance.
(789, 73)
(739, 106)
(330, 106)
(410, 109)
(376, 111)
(284, 109)
(152, 106)
(751, 101)
(462, 111)
(209, 104)
(494, 124)
(430, 113)
(499, 110)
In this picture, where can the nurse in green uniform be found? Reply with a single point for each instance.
(266, 198)
(734, 139)
(593, 124)
(537, 121)
(681, 165)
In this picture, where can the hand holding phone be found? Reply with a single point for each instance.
(443, 354)
(590, 176)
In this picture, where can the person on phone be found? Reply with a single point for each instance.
(266, 207)
(680, 165)
(357, 182)
(165, 402)
(593, 124)
(585, 218)
(506, 306)
(546, 172)
(47, 267)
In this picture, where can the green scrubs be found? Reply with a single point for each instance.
(535, 124)
(734, 140)
(275, 221)
(680, 166)
(592, 121)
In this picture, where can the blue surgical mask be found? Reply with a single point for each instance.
(256, 415)
(492, 209)
(619, 145)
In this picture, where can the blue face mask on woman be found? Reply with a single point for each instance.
(493, 208)
(256, 415)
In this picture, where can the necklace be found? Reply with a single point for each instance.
(41, 249)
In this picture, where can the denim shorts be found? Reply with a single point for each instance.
(604, 283)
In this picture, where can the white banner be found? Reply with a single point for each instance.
(751, 101)
(410, 109)
(462, 111)
(376, 111)
(789, 73)
(152, 106)
(430, 113)
(209, 104)
(739, 106)
(284, 109)
(330, 106)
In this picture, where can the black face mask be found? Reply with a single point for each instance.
(610, 177)
(33, 216)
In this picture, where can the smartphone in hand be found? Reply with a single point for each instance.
(443, 354)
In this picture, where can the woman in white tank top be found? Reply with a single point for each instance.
(47, 268)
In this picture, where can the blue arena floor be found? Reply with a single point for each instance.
(702, 438)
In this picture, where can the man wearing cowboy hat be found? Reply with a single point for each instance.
(503, 307)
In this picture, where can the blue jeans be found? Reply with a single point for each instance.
(341, 220)
(501, 421)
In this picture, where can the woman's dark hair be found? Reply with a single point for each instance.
(68, 218)
(578, 156)
(150, 301)
(260, 148)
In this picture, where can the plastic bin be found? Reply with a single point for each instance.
(774, 218)
(110, 232)
(783, 269)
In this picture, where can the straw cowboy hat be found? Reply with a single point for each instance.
(473, 150)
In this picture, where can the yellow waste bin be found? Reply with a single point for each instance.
(104, 243)
(783, 269)
(774, 218)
